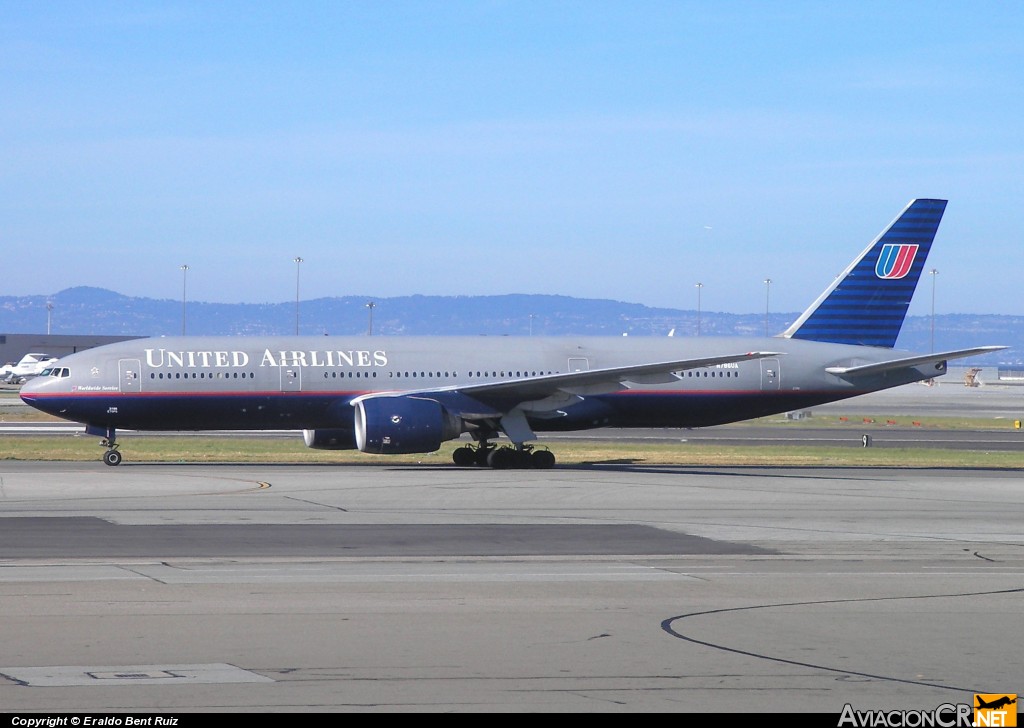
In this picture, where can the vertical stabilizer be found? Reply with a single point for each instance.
(867, 303)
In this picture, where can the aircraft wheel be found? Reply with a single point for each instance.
(500, 458)
(463, 456)
(542, 459)
(112, 457)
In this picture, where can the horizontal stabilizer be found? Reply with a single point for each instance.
(910, 361)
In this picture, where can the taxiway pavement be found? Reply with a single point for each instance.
(432, 588)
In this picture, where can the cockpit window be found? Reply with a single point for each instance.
(48, 373)
(55, 372)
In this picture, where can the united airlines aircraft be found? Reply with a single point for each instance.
(395, 395)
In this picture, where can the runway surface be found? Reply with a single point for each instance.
(272, 588)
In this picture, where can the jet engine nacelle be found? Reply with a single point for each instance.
(403, 424)
(329, 439)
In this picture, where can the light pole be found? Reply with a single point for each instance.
(699, 286)
(767, 296)
(184, 289)
(49, 313)
(934, 273)
(369, 324)
(298, 263)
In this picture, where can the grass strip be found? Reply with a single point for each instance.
(203, 449)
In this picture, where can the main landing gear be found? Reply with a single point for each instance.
(505, 457)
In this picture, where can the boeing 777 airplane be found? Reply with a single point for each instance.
(396, 395)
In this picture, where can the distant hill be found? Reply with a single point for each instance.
(96, 311)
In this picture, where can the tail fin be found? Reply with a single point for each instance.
(867, 303)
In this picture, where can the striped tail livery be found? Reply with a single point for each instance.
(867, 303)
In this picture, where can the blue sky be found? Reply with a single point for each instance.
(591, 149)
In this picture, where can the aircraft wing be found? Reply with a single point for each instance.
(911, 361)
(601, 381)
(554, 388)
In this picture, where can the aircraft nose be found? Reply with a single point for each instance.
(29, 388)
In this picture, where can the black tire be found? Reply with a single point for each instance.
(500, 458)
(112, 458)
(542, 459)
(464, 456)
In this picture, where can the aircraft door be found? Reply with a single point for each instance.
(291, 378)
(578, 364)
(130, 375)
(770, 377)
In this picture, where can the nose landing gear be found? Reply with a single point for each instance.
(112, 456)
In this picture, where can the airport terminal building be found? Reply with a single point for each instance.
(15, 346)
